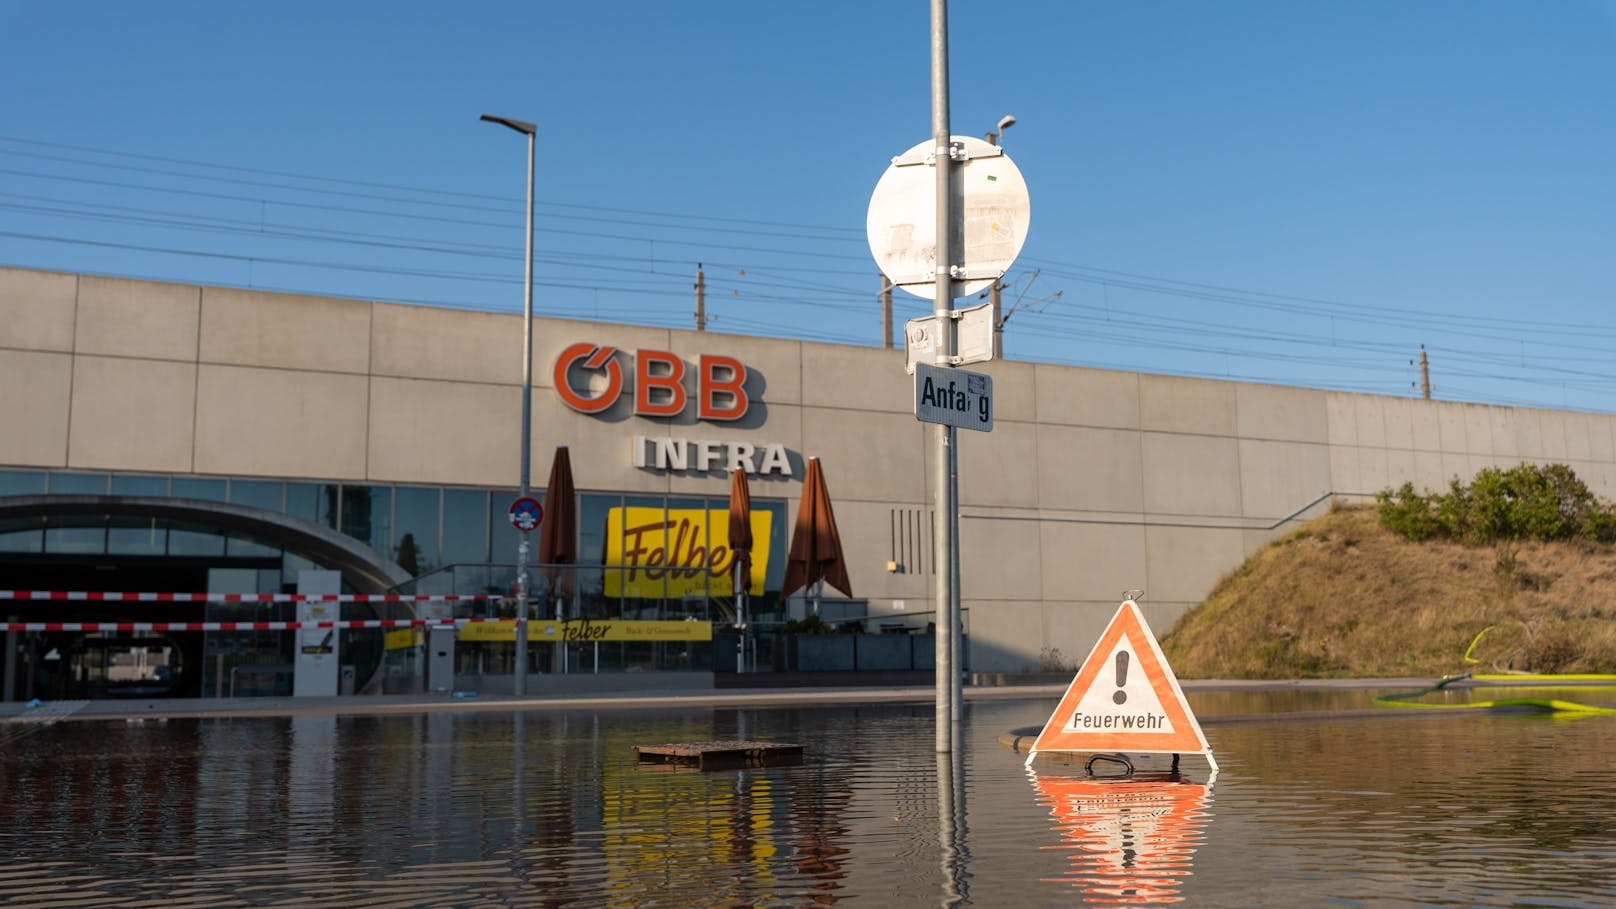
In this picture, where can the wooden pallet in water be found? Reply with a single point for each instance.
(716, 755)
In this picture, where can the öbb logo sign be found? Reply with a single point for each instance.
(659, 389)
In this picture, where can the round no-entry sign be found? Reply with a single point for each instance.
(526, 513)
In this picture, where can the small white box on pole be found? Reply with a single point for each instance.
(921, 337)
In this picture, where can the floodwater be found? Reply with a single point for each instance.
(490, 809)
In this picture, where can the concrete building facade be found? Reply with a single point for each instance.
(1092, 482)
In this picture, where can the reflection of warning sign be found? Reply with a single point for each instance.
(1124, 698)
(1135, 839)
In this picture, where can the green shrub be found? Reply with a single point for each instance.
(811, 624)
(1408, 513)
(1527, 502)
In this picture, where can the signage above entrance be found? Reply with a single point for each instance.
(702, 455)
(659, 389)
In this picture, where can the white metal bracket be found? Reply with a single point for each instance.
(956, 152)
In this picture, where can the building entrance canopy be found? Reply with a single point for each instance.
(361, 567)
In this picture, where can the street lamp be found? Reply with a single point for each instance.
(519, 686)
(1005, 123)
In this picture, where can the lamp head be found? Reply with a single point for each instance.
(520, 126)
(1005, 123)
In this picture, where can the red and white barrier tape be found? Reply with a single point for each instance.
(237, 626)
(98, 596)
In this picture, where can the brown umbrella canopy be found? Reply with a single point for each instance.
(558, 535)
(740, 528)
(816, 547)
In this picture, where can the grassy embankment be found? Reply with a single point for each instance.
(1346, 597)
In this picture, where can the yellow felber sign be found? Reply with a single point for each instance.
(590, 630)
(679, 553)
(404, 639)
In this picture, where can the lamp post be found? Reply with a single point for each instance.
(519, 686)
(1005, 123)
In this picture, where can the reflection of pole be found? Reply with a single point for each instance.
(943, 300)
(519, 793)
(951, 829)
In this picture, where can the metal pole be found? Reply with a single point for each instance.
(956, 627)
(701, 300)
(998, 320)
(886, 312)
(9, 664)
(740, 613)
(943, 303)
(998, 283)
(519, 685)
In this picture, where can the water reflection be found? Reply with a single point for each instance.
(951, 830)
(1134, 838)
(820, 835)
(442, 809)
(551, 809)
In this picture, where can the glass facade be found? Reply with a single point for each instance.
(463, 530)
(422, 528)
(425, 528)
(416, 527)
(640, 557)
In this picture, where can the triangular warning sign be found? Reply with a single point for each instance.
(1124, 698)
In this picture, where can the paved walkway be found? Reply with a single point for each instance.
(15, 711)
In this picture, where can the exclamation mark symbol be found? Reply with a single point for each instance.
(1122, 677)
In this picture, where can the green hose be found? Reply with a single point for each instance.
(1547, 705)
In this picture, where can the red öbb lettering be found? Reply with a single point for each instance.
(659, 383)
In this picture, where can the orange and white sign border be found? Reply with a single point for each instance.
(1185, 735)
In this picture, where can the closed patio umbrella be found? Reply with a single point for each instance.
(816, 547)
(558, 535)
(740, 548)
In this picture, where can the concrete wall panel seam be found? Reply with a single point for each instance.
(303, 370)
(370, 384)
(73, 341)
(72, 371)
(196, 388)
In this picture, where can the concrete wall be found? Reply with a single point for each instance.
(1092, 482)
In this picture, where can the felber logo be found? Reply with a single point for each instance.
(680, 552)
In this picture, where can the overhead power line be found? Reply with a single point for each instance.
(845, 232)
(207, 210)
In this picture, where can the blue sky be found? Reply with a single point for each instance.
(1298, 193)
